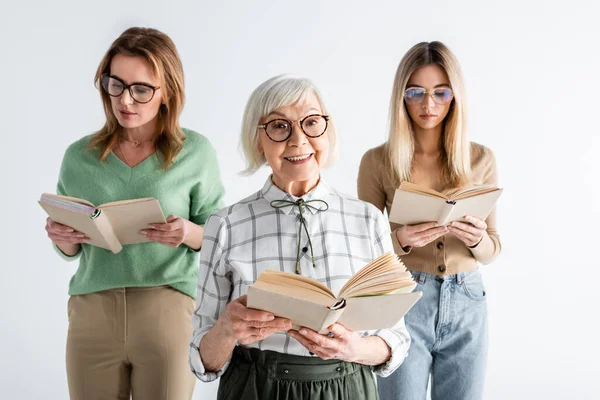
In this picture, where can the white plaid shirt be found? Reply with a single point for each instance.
(251, 236)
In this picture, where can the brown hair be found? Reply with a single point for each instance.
(160, 51)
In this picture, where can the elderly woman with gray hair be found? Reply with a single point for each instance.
(295, 223)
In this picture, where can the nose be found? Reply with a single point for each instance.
(297, 138)
(126, 98)
(428, 101)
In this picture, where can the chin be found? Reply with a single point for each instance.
(301, 176)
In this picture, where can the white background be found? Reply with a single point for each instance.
(532, 70)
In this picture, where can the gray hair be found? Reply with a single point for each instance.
(277, 92)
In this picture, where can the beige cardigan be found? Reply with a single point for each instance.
(446, 255)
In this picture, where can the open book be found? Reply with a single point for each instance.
(376, 297)
(110, 225)
(415, 204)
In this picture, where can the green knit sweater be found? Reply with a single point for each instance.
(191, 188)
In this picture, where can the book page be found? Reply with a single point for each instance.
(423, 190)
(479, 206)
(275, 276)
(55, 198)
(471, 191)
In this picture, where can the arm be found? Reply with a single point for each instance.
(206, 198)
(370, 189)
(66, 240)
(481, 237)
(218, 323)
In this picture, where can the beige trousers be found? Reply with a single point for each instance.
(130, 341)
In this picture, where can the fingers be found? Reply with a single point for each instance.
(320, 351)
(62, 234)
(247, 332)
(318, 339)
(465, 228)
(173, 223)
(257, 334)
(429, 236)
(240, 311)
(58, 239)
(421, 227)
(339, 331)
(466, 237)
(478, 223)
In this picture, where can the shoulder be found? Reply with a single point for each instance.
(480, 153)
(195, 141)
(238, 211)
(353, 205)
(374, 156)
(483, 162)
(79, 149)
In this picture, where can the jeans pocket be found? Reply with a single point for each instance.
(473, 286)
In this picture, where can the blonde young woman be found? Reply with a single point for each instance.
(258, 356)
(428, 145)
(130, 313)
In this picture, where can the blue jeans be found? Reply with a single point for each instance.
(448, 328)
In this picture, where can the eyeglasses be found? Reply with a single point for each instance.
(279, 130)
(415, 95)
(140, 92)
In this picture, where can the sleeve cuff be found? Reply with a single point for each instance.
(401, 251)
(67, 257)
(482, 249)
(399, 341)
(196, 364)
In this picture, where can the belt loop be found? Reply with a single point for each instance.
(420, 277)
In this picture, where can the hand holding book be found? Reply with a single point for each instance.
(383, 285)
(65, 237)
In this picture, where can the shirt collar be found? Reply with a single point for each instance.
(271, 192)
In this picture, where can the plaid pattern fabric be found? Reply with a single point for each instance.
(249, 237)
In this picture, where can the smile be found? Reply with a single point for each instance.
(298, 158)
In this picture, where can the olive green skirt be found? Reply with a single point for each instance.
(254, 374)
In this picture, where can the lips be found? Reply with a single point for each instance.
(125, 112)
(299, 158)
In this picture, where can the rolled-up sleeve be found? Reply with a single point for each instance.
(214, 289)
(397, 338)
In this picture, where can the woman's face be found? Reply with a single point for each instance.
(300, 157)
(427, 113)
(130, 113)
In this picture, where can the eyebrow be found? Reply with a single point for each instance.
(134, 83)
(435, 87)
(306, 111)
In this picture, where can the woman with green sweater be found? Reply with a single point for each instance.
(130, 313)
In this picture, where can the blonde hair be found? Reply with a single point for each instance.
(160, 51)
(277, 92)
(400, 146)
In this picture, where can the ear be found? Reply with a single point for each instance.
(260, 147)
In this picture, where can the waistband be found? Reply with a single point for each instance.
(423, 277)
(285, 366)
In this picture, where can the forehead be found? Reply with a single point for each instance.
(309, 105)
(133, 69)
(429, 76)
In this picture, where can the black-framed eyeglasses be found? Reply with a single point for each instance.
(415, 95)
(280, 130)
(140, 92)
